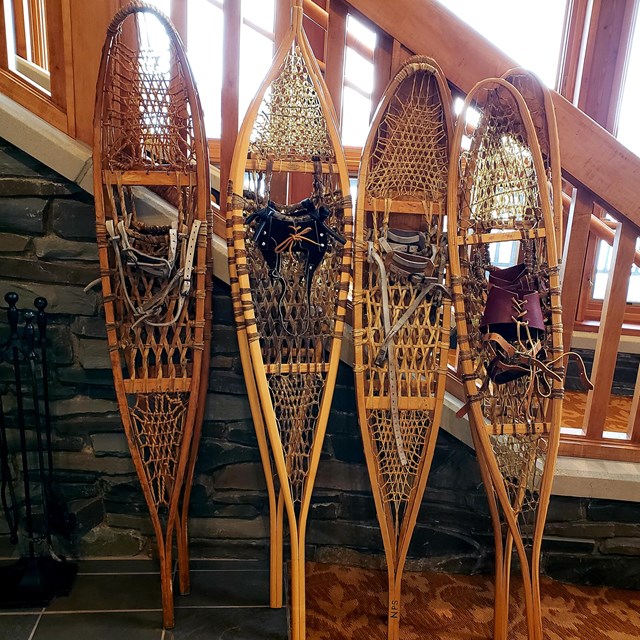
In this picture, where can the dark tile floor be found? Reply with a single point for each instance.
(120, 600)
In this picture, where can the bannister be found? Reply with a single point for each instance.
(591, 157)
(594, 162)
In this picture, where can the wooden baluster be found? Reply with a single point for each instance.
(230, 92)
(613, 309)
(336, 48)
(58, 21)
(575, 249)
(381, 67)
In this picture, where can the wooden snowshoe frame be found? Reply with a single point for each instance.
(156, 279)
(291, 329)
(402, 187)
(498, 188)
(543, 115)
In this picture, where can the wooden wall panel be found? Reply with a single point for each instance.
(88, 31)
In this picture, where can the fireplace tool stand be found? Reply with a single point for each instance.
(34, 579)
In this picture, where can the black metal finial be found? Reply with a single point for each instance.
(40, 304)
(11, 298)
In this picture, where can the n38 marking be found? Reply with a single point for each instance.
(394, 609)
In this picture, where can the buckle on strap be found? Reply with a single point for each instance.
(189, 257)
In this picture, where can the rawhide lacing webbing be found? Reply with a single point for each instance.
(403, 253)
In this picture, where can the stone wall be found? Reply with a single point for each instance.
(47, 247)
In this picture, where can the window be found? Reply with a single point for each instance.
(628, 131)
(528, 32)
(256, 48)
(27, 47)
(204, 48)
(601, 274)
(358, 83)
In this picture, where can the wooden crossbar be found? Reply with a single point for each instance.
(296, 368)
(288, 166)
(153, 385)
(417, 207)
(501, 236)
(404, 403)
(155, 177)
(519, 428)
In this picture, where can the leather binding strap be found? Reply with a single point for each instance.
(156, 266)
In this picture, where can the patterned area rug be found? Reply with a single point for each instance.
(617, 412)
(348, 603)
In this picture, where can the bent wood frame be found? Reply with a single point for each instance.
(250, 339)
(481, 430)
(276, 505)
(538, 98)
(201, 285)
(396, 543)
(182, 531)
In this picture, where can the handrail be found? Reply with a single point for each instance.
(591, 156)
(607, 234)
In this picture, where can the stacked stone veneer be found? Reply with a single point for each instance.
(47, 247)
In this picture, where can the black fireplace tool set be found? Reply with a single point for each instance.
(41, 575)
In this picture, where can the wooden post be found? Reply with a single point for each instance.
(613, 308)
(3, 41)
(336, 44)
(607, 46)
(88, 28)
(57, 23)
(576, 16)
(179, 16)
(381, 67)
(633, 432)
(575, 250)
(230, 90)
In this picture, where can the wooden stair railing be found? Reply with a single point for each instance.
(600, 168)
